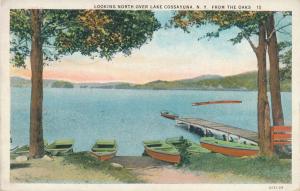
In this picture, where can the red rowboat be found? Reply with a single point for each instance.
(169, 115)
(161, 151)
(228, 148)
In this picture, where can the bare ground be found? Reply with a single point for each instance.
(37, 170)
(171, 175)
(154, 171)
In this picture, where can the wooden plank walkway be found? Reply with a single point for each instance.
(210, 125)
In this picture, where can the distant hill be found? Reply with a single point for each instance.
(108, 85)
(203, 77)
(19, 82)
(244, 81)
(22, 82)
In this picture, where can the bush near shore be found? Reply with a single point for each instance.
(270, 169)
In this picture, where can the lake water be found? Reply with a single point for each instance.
(129, 116)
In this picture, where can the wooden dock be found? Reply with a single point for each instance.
(205, 127)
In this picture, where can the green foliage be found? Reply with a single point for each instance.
(119, 32)
(62, 84)
(84, 160)
(246, 21)
(286, 85)
(268, 169)
(19, 46)
(20, 43)
(184, 154)
(285, 58)
(91, 32)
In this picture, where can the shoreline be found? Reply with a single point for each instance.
(176, 89)
(83, 168)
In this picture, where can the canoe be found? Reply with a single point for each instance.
(60, 147)
(194, 148)
(23, 150)
(104, 149)
(160, 150)
(169, 115)
(233, 149)
(216, 102)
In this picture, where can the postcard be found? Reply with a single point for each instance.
(150, 95)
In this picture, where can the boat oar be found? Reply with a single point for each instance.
(216, 102)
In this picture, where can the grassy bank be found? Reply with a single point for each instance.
(270, 169)
(85, 161)
(204, 168)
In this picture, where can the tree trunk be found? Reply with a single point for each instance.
(263, 111)
(274, 78)
(36, 148)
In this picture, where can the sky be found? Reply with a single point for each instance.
(172, 54)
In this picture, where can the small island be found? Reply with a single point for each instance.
(62, 84)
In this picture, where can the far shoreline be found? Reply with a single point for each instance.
(154, 89)
(240, 82)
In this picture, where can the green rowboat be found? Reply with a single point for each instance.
(23, 150)
(60, 147)
(193, 148)
(105, 149)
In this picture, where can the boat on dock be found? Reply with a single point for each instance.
(228, 148)
(169, 115)
(160, 150)
(193, 147)
(60, 147)
(104, 149)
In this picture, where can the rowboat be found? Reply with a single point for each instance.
(23, 150)
(60, 147)
(14, 149)
(193, 147)
(216, 102)
(169, 115)
(104, 149)
(160, 150)
(228, 148)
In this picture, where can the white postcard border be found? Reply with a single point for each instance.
(276, 5)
